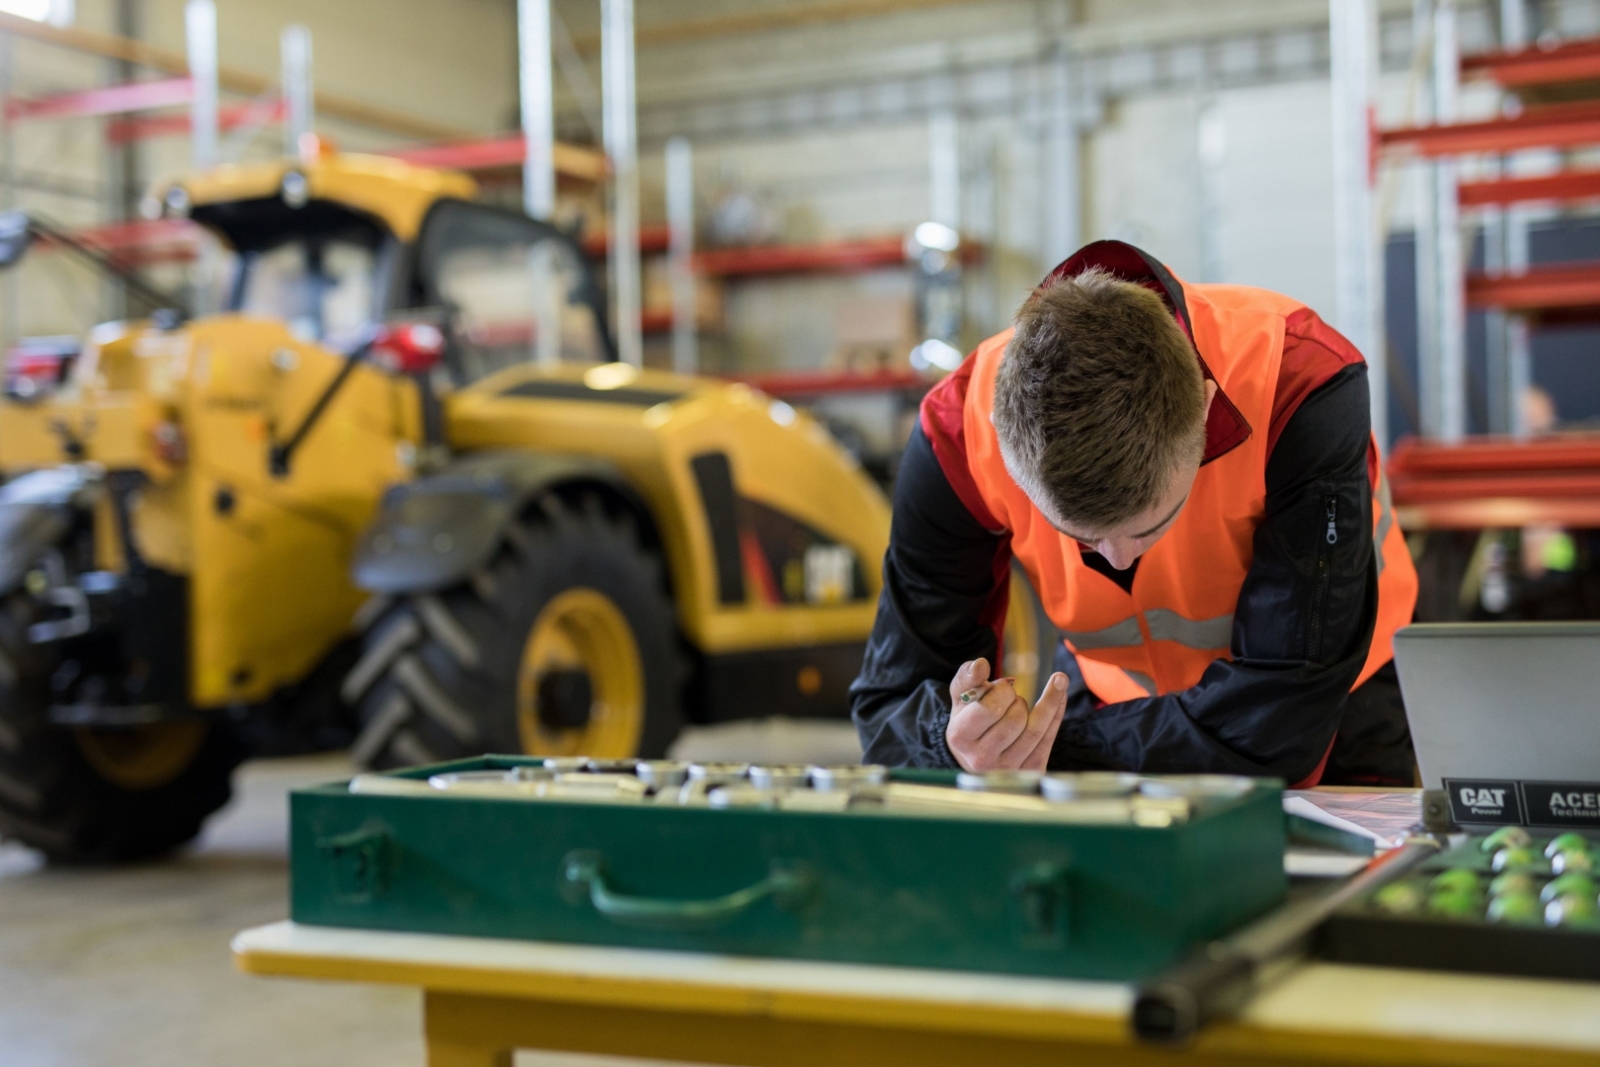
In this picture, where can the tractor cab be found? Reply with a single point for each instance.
(338, 245)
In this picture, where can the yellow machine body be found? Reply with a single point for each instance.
(268, 558)
(780, 457)
(196, 409)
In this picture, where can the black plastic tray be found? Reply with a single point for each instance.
(1443, 945)
(1360, 933)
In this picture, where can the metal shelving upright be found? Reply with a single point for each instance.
(1447, 480)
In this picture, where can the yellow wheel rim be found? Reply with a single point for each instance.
(581, 651)
(145, 757)
(1022, 637)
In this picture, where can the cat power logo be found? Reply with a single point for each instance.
(1483, 798)
(1478, 802)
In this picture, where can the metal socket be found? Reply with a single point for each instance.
(846, 777)
(718, 773)
(1083, 784)
(781, 776)
(1022, 783)
(662, 772)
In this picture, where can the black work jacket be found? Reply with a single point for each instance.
(1269, 710)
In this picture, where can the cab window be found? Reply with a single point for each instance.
(320, 268)
(500, 275)
(323, 290)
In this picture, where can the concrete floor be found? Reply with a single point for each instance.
(130, 967)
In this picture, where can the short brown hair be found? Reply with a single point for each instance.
(1099, 400)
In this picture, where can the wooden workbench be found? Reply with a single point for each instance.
(485, 997)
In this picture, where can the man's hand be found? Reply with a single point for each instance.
(991, 728)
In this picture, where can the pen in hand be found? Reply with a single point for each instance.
(978, 692)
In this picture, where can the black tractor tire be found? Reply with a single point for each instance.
(440, 672)
(84, 795)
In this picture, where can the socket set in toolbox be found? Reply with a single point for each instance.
(1092, 875)
(1087, 797)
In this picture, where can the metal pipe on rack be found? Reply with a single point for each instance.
(1496, 322)
(944, 167)
(1358, 246)
(1516, 340)
(680, 255)
(939, 292)
(1426, 260)
(299, 121)
(621, 144)
(200, 41)
(1451, 270)
(10, 293)
(537, 94)
(121, 159)
(1211, 152)
(1063, 206)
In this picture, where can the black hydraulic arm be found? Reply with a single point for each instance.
(280, 455)
(16, 228)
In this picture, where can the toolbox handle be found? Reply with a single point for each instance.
(787, 883)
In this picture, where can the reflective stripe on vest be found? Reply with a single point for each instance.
(1385, 518)
(1194, 633)
(1123, 635)
(1164, 625)
(1143, 681)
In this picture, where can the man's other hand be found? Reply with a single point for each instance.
(993, 729)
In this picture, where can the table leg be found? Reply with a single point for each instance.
(452, 1055)
(458, 1038)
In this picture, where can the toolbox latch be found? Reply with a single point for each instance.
(1042, 892)
(360, 861)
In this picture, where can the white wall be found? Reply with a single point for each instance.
(1276, 184)
(1143, 182)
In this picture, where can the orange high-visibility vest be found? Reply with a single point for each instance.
(1178, 620)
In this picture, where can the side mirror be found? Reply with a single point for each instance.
(16, 234)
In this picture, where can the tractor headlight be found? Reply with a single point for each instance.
(294, 190)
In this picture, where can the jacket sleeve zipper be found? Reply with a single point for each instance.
(1319, 588)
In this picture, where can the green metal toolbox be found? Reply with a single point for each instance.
(990, 892)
